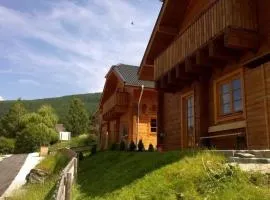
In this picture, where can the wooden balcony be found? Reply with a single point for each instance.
(115, 106)
(225, 29)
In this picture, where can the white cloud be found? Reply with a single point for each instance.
(28, 82)
(86, 40)
(1, 98)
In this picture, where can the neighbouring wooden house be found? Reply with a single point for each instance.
(119, 108)
(210, 60)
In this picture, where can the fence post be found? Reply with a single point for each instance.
(68, 186)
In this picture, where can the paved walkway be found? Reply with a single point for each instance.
(9, 169)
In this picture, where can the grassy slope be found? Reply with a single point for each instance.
(53, 164)
(60, 104)
(170, 176)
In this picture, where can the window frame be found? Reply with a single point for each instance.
(228, 79)
(152, 127)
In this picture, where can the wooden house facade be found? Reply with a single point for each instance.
(120, 120)
(210, 60)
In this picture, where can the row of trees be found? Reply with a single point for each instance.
(29, 130)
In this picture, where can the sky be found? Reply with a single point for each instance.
(52, 48)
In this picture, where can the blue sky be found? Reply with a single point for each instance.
(53, 48)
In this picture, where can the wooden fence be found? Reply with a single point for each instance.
(67, 178)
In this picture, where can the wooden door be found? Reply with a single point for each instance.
(188, 120)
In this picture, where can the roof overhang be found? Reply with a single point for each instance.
(165, 30)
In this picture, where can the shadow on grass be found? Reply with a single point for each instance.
(106, 172)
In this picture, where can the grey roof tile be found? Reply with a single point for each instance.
(128, 74)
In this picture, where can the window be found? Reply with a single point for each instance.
(153, 124)
(190, 121)
(229, 99)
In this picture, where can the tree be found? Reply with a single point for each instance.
(45, 115)
(34, 135)
(37, 129)
(77, 118)
(10, 123)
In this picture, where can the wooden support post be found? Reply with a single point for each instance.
(160, 117)
(68, 186)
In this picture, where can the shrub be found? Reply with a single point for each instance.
(113, 147)
(6, 145)
(151, 148)
(34, 135)
(140, 146)
(80, 156)
(122, 146)
(132, 146)
(94, 149)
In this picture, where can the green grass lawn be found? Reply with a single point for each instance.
(170, 176)
(77, 141)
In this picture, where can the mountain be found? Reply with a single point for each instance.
(60, 104)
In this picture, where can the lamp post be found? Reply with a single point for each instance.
(138, 114)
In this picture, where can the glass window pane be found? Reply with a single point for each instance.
(237, 106)
(226, 108)
(237, 94)
(236, 84)
(225, 88)
(226, 98)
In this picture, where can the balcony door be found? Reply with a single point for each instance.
(188, 122)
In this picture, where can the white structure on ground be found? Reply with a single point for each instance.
(64, 136)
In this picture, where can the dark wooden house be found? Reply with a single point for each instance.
(121, 118)
(210, 60)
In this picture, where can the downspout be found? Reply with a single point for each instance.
(138, 115)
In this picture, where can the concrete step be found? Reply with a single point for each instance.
(244, 155)
(249, 160)
(256, 153)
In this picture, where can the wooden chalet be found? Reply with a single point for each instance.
(119, 108)
(210, 60)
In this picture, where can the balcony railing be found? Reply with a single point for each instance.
(222, 14)
(117, 100)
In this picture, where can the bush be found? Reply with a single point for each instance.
(114, 147)
(151, 148)
(94, 149)
(122, 146)
(6, 145)
(80, 156)
(33, 136)
(53, 163)
(132, 146)
(140, 146)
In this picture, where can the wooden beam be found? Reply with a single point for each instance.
(181, 73)
(203, 59)
(219, 52)
(168, 30)
(190, 65)
(241, 39)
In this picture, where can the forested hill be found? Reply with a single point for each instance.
(60, 104)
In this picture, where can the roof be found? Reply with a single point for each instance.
(60, 127)
(166, 28)
(129, 75)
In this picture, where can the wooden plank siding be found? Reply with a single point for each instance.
(257, 82)
(221, 14)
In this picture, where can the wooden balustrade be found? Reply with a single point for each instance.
(118, 99)
(221, 15)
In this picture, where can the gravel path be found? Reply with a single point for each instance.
(9, 169)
